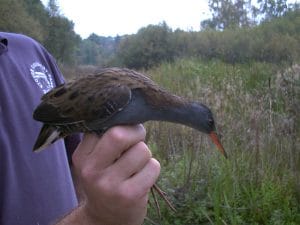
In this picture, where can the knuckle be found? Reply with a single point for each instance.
(127, 193)
(143, 149)
(75, 158)
(142, 130)
(105, 185)
(86, 173)
(155, 164)
(117, 135)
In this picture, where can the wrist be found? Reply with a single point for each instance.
(79, 216)
(87, 215)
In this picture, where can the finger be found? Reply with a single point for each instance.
(123, 137)
(140, 183)
(84, 148)
(113, 143)
(88, 142)
(132, 161)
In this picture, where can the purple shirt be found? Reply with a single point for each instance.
(35, 188)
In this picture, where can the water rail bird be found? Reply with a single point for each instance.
(115, 96)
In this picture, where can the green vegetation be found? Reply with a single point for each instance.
(256, 109)
(233, 35)
(46, 25)
(273, 41)
(245, 69)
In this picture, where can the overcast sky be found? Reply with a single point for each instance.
(119, 17)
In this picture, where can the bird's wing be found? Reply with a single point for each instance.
(82, 103)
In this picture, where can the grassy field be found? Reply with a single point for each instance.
(256, 108)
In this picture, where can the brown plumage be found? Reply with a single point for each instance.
(112, 97)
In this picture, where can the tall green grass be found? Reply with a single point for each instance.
(256, 108)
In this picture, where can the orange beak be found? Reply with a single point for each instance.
(216, 141)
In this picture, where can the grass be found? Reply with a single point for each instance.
(256, 107)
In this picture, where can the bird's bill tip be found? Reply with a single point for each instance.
(217, 142)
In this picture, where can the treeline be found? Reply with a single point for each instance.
(46, 25)
(233, 34)
(276, 40)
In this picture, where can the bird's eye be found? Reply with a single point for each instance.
(211, 122)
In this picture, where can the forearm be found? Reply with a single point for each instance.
(78, 216)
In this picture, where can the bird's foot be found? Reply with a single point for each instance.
(163, 195)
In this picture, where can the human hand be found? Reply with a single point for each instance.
(116, 173)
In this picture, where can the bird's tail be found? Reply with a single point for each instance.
(47, 136)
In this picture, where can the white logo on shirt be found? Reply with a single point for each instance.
(42, 77)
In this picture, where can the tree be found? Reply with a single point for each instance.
(228, 14)
(53, 8)
(16, 18)
(150, 46)
(61, 39)
(36, 10)
(272, 8)
(98, 50)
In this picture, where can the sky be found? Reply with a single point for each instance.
(119, 17)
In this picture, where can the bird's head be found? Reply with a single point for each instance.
(204, 122)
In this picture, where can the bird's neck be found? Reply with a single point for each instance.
(165, 107)
(183, 114)
(140, 110)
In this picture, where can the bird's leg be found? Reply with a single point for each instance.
(156, 202)
(164, 197)
(151, 221)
